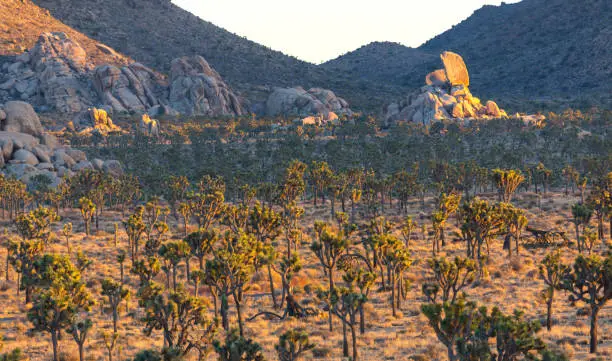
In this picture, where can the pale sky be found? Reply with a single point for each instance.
(320, 30)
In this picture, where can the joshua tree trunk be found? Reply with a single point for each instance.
(272, 286)
(239, 314)
(594, 314)
(81, 355)
(549, 314)
(361, 320)
(115, 318)
(54, 341)
(224, 311)
(345, 351)
(354, 340)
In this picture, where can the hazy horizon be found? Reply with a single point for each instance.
(325, 30)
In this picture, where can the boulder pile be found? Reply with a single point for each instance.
(55, 76)
(446, 95)
(27, 151)
(317, 102)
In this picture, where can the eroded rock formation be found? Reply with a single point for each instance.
(446, 95)
(55, 75)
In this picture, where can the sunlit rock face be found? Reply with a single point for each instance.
(55, 75)
(446, 95)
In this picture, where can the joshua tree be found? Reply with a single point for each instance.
(201, 244)
(207, 207)
(231, 269)
(115, 293)
(134, 228)
(345, 304)
(121, 261)
(173, 253)
(320, 175)
(590, 281)
(452, 323)
(450, 277)
(397, 259)
(292, 344)
(507, 182)
(36, 224)
(79, 330)
(447, 205)
(552, 272)
(88, 210)
(22, 257)
(265, 224)
(110, 342)
(408, 227)
(513, 225)
(238, 348)
(185, 210)
(61, 297)
(600, 201)
(67, 232)
(328, 247)
(582, 215)
(181, 317)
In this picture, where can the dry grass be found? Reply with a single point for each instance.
(514, 283)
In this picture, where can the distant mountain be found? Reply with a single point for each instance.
(531, 49)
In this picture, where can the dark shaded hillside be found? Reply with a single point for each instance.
(532, 49)
(385, 62)
(536, 48)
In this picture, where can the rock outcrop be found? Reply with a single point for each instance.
(95, 120)
(197, 89)
(26, 150)
(55, 75)
(297, 101)
(20, 117)
(446, 95)
(148, 127)
(133, 88)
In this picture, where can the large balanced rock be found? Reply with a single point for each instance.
(196, 88)
(455, 68)
(20, 117)
(297, 101)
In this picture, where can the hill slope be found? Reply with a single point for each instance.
(23, 22)
(535, 48)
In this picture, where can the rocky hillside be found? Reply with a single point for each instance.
(153, 32)
(531, 49)
(23, 22)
